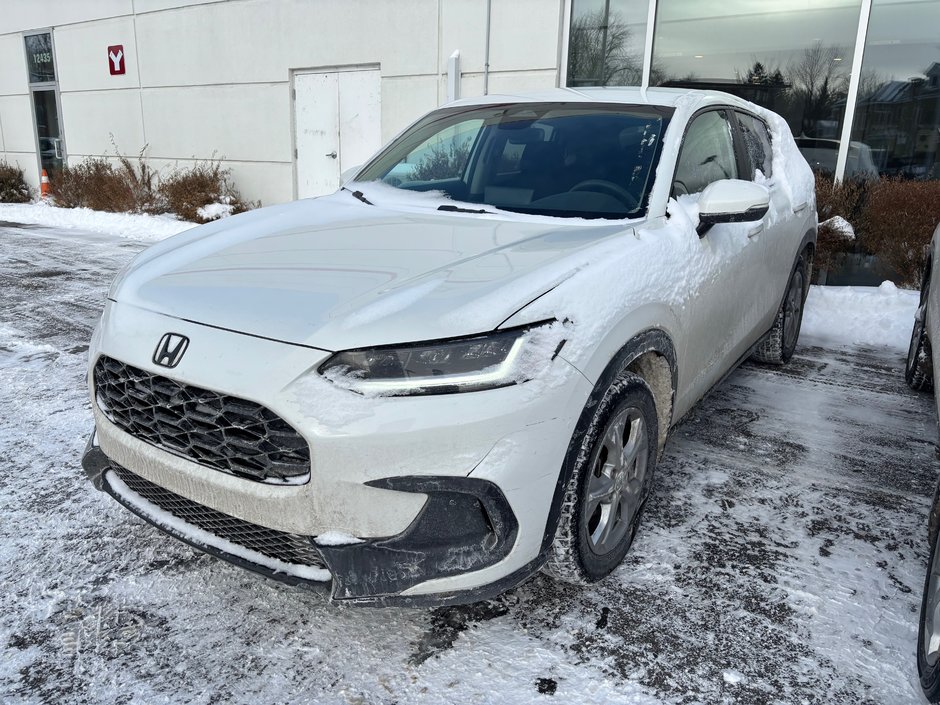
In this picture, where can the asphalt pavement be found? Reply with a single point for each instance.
(780, 560)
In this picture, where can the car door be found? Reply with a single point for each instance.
(772, 237)
(728, 269)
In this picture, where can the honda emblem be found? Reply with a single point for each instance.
(170, 350)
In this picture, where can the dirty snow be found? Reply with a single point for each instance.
(137, 226)
(336, 538)
(780, 559)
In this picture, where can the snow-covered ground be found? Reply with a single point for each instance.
(130, 225)
(780, 559)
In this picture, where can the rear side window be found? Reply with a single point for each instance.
(707, 153)
(756, 144)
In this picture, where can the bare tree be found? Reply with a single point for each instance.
(819, 81)
(599, 52)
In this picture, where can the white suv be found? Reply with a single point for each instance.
(461, 367)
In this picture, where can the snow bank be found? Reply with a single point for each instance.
(130, 225)
(859, 316)
(841, 226)
(214, 211)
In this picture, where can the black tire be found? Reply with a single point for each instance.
(578, 554)
(778, 345)
(929, 669)
(918, 371)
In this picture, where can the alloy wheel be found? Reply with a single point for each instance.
(615, 488)
(793, 310)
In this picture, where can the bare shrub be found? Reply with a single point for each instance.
(141, 181)
(898, 220)
(93, 183)
(13, 186)
(843, 199)
(186, 191)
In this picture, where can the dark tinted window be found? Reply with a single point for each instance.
(707, 153)
(561, 159)
(756, 144)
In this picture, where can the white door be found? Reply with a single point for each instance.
(337, 126)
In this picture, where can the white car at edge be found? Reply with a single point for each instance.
(428, 389)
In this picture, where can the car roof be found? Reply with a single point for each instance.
(667, 97)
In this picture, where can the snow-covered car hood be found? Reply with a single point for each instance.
(335, 273)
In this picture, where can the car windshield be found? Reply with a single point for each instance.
(570, 160)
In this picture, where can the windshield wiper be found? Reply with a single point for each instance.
(360, 195)
(458, 209)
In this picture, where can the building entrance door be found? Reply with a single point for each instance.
(337, 125)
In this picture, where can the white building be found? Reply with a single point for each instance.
(272, 87)
(275, 88)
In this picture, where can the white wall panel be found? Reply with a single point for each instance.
(19, 135)
(82, 55)
(268, 183)
(257, 41)
(522, 81)
(91, 117)
(524, 35)
(12, 65)
(462, 25)
(247, 122)
(27, 162)
(142, 6)
(404, 100)
(25, 15)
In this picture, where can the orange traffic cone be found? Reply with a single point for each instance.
(44, 184)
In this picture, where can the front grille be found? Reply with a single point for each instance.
(226, 433)
(280, 545)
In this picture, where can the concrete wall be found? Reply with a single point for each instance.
(212, 78)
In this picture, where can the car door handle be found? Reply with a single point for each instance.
(800, 208)
(331, 155)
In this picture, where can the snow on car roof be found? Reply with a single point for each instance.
(669, 97)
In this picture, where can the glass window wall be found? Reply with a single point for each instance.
(792, 56)
(896, 130)
(605, 42)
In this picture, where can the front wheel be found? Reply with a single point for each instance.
(928, 633)
(778, 346)
(609, 485)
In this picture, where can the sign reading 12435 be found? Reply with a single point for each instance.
(39, 58)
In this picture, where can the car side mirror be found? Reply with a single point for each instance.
(731, 201)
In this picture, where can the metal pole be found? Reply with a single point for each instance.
(486, 50)
(852, 97)
(648, 48)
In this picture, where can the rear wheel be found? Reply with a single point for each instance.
(918, 372)
(609, 485)
(778, 346)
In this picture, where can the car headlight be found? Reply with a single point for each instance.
(447, 366)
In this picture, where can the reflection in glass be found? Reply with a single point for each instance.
(791, 56)
(605, 43)
(898, 111)
(39, 62)
(47, 124)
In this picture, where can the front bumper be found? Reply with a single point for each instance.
(465, 525)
